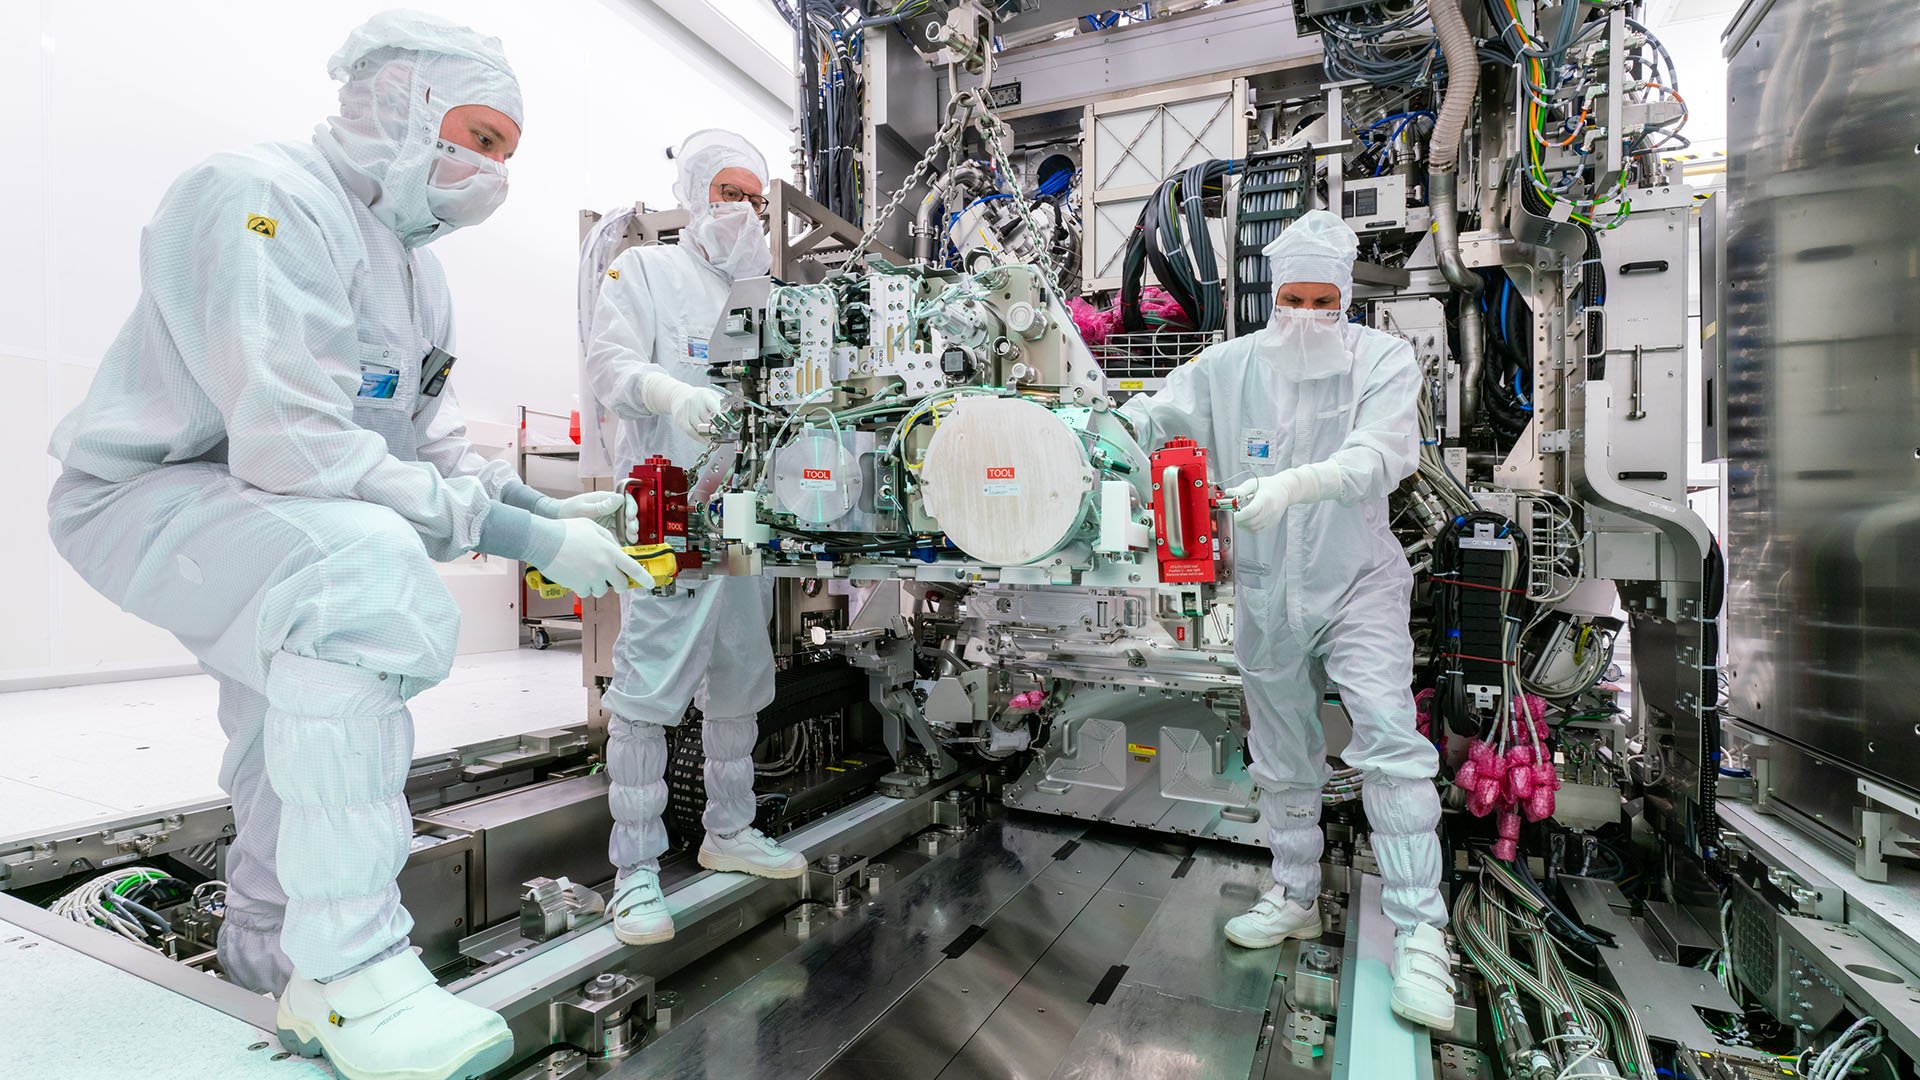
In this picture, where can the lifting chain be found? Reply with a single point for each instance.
(965, 108)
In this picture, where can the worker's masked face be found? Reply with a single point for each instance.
(1301, 343)
(731, 238)
(464, 187)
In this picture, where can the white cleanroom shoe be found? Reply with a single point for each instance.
(1423, 977)
(750, 852)
(391, 1021)
(639, 911)
(1272, 920)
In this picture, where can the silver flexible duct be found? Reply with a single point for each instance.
(1463, 84)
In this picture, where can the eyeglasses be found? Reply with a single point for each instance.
(729, 193)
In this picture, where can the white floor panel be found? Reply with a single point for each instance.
(84, 753)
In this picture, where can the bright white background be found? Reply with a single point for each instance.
(109, 101)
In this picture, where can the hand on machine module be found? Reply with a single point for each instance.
(1259, 503)
(693, 408)
(645, 566)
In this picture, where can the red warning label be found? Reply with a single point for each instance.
(816, 474)
(1005, 473)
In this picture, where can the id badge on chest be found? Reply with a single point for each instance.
(379, 380)
(1257, 447)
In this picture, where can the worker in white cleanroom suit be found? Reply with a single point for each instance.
(1321, 414)
(268, 463)
(646, 385)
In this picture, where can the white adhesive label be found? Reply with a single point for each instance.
(999, 489)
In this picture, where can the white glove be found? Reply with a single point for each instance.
(590, 562)
(691, 407)
(1260, 502)
(599, 506)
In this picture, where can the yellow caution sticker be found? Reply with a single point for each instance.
(835, 768)
(263, 225)
(1142, 752)
(614, 274)
(1132, 384)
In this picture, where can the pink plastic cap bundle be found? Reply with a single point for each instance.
(1539, 805)
(1027, 701)
(1507, 848)
(1097, 324)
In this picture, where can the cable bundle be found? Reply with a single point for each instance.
(1386, 44)
(1171, 235)
(127, 902)
(1840, 1056)
(830, 45)
(1506, 386)
(1513, 775)
(1476, 632)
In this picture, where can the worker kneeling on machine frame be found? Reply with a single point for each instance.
(1321, 413)
(268, 463)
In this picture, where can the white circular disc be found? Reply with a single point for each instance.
(1008, 482)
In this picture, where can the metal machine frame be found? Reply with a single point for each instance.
(1037, 889)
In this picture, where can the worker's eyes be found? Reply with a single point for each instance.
(485, 141)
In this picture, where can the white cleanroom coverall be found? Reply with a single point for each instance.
(1323, 596)
(707, 644)
(258, 468)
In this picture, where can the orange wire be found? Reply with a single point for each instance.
(1514, 12)
(1581, 126)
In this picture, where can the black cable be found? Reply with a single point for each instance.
(1712, 598)
(1171, 236)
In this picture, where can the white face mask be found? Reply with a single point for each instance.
(1305, 344)
(729, 235)
(464, 187)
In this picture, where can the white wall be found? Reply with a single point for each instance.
(109, 101)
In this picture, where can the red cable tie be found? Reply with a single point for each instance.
(1481, 659)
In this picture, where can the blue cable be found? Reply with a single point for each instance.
(1506, 291)
(1524, 403)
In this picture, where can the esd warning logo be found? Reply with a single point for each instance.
(262, 224)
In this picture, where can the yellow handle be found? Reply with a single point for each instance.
(543, 588)
(659, 560)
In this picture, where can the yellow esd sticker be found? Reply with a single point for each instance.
(1140, 751)
(1132, 384)
(263, 225)
(614, 274)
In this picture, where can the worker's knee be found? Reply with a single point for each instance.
(369, 597)
(1400, 806)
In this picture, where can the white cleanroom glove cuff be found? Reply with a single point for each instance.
(590, 562)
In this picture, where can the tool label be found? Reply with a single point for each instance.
(816, 479)
(1000, 473)
(262, 224)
